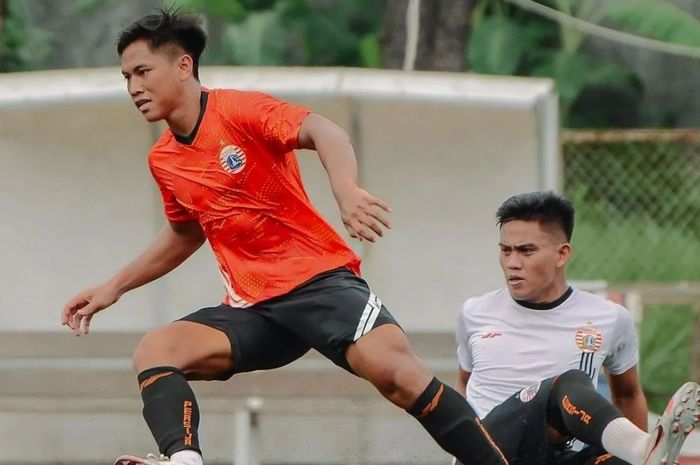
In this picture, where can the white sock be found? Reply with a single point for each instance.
(625, 440)
(187, 457)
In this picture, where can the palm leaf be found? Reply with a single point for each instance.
(496, 46)
(655, 19)
(257, 41)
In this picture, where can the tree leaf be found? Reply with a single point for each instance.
(257, 41)
(370, 51)
(609, 74)
(228, 10)
(574, 72)
(83, 7)
(655, 19)
(568, 70)
(496, 46)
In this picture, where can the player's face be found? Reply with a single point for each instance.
(153, 80)
(533, 260)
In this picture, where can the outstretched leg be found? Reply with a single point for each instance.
(165, 360)
(383, 356)
(577, 410)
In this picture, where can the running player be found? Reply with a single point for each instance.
(227, 174)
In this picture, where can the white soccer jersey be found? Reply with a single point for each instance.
(506, 346)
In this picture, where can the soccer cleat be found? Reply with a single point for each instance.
(151, 459)
(681, 416)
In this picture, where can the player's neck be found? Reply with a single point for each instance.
(554, 297)
(184, 118)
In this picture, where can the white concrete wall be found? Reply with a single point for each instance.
(77, 201)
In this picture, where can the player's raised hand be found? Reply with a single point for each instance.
(364, 215)
(79, 310)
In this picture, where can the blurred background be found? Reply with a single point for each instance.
(453, 105)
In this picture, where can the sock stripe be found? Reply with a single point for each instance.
(152, 379)
(433, 403)
(491, 441)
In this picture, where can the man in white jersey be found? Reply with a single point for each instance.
(531, 352)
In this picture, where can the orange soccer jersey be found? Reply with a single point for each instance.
(237, 175)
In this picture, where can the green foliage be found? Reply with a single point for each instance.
(334, 33)
(636, 180)
(227, 10)
(664, 342)
(257, 41)
(291, 32)
(496, 46)
(22, 47)
(655, 19)
(576, 72)
(509, 41)
(637, 218)
(633, 250)
(84, 7)
(370, 51)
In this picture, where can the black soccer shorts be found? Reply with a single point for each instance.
(327, 313)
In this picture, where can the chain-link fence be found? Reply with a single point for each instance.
(637, 199)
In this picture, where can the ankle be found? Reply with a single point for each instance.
(187, 457)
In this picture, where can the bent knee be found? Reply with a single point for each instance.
(156, 348)
(402, 383)
(197, 350)
(573, 376)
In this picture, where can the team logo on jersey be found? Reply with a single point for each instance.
(589, 339)
(232, 159)
(529, 393)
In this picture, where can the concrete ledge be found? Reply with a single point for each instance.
(62, 344)
(61, 366)
(80, 398)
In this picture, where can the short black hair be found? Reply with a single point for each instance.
(168, 27)
(547, 208)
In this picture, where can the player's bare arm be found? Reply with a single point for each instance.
(627, 395)
(462, 380)
(172, 246)
(363, 214)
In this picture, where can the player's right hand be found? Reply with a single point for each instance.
(79, 310)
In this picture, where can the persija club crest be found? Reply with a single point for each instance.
(232, 159)
(589, 339)
(529, 393)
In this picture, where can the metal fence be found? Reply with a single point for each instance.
(637, 199)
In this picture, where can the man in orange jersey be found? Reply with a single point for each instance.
(227, 174)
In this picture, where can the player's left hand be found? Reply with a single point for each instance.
(363, 214)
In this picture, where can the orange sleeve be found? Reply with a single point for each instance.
(174, 211)
(276, 122)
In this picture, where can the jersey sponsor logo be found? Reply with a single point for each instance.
(491, 335)
(529, 393)
(232, 159)
(589, 339)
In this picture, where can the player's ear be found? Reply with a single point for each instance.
(185, 66)
(564, 252)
